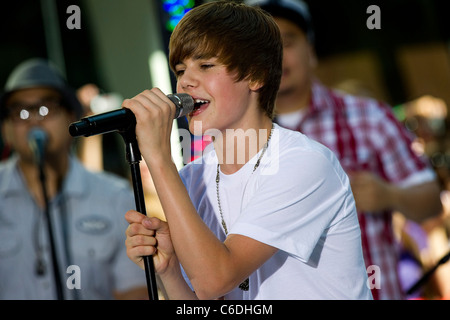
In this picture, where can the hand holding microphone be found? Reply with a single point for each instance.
(124, 119)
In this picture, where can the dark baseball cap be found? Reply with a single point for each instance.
(295, 11)
(38, 72)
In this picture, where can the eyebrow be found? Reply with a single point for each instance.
(199, 56)
(288, 35)
(204, 55)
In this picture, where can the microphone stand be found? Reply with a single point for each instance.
(133, 156)
(428, 274)
(56, 274)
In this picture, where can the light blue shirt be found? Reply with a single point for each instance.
(89, 231)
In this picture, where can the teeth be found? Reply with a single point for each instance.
(200, 101)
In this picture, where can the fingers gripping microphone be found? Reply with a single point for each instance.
(123, 119)
(37, 140)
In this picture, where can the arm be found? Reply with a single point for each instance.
(139, 293)
(417, 202)
(392, 150)
(213, 267)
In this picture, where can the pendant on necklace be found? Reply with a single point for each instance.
(244, 286)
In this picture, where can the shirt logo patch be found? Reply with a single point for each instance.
(93, 225)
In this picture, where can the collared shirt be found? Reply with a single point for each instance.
(365, 135)
(89, 232)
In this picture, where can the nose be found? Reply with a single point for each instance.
(34, 119)
(188, 80)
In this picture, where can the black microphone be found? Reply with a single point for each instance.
(37, 140)
(123, 119)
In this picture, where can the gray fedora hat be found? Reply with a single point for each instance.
(39, 72)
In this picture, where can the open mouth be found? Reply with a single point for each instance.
(198, 103)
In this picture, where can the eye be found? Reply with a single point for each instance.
(288, 43)
(207, 66)
(43, 111)
(179, 72)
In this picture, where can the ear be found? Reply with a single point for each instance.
(255, 85)
(6, 135)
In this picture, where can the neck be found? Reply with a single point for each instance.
(235, 147)
(54, 172)
(293, 99)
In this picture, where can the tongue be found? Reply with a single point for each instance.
(198, 105)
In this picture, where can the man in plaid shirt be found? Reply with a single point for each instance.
(372, 146)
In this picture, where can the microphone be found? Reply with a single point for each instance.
(124, 119)
(37, 140)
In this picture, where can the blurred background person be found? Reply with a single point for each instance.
(90, 150)
(373, 147)
(85, 208)
(425, 244)
(101, 152)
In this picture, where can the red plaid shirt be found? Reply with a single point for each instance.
(364, 134)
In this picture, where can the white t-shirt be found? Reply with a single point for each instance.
(298, 200)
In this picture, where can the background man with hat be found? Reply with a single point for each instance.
(86, 208)
(371, 145)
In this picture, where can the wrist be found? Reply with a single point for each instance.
(174, 283)
(172, 271)
(158, 162)
(391, 197)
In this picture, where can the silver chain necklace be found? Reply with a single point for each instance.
(245, 284)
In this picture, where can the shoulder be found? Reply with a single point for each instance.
(362, 113)
(362, 105)
(9, 176)
(7, 165)
(292, 144)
